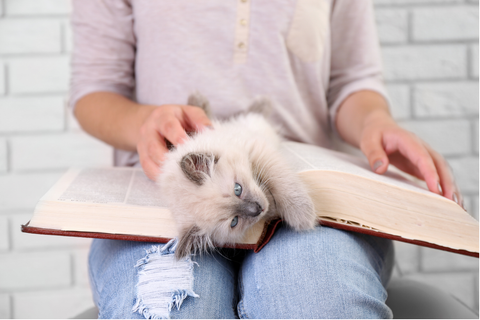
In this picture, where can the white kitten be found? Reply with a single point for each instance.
(223, 180)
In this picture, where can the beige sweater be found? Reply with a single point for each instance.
(306, 55)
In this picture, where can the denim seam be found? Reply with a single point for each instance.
(242, 314)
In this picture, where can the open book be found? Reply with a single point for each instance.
(122, 203)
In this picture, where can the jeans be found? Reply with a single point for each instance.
(324, 273)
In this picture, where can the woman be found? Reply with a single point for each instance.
(134, 65)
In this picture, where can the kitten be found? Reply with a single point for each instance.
(223, 180)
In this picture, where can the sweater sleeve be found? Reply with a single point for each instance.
(356, 60)
(104, 48)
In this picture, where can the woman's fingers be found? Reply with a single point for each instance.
(195, 118)
(410, 154)
(447, 179)
(151, 150)
(167, 122)
(414, 151)
(372, 148)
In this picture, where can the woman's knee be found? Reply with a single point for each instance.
(132, 279)
(322, 273)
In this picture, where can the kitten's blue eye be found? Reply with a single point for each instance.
(234, 222)
(237, 189)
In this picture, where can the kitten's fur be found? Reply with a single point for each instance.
(200, 175)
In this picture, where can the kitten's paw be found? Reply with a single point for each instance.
(301, 215)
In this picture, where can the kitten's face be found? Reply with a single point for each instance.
(224, 200)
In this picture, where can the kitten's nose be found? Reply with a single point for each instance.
(252, 209)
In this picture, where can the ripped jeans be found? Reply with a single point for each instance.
(324, 273)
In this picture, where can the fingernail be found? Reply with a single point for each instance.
(455, 198)
(377, 165)
(439, 188)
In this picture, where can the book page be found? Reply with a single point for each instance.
(119, 186)
(98, 185)
(307, 157)
(144, 192)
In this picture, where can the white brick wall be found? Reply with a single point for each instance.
(425, 62)
(29, 36)
(2, 78)
(430, 53)
(445, 23)
(46, 113)
(40, 276)
(430, 57)
(446, 99)
(42, 74)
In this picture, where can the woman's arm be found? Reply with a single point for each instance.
(130, 126)
(364, 121)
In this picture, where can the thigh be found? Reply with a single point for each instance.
(324, 273)
(139, 280)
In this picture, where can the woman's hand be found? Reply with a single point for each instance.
(384, 142)
(171, 122)
(127, 125)
(364, 121)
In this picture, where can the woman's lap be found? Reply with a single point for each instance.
(326, 273)
(115, 277)
(323, 273)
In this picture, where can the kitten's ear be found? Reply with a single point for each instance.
(196, 99)
(261, 105)
(197, 166)
(192, 241)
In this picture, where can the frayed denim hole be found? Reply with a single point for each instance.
(163, 282)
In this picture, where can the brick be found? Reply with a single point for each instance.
(474, 61)
(80, 260)
(72, 122)
(3, 76)
(392, 25)
(407, 257)
(37, 7)
(474, 207)
(39, 75)
(35, 270)
(448, 137)
(68, 36)
(22, 191)
(3, 155)
(29, 36)
(57, 304)
(445, 23)
(460, 285)
(466, 173)
(5, 312)
(4, 234)
(424, 62)
(30, 114)
(52, 151)
(28, 241)
(442, 261)
(467, 203)
(400, 101)
(475, 137)
(446, 99)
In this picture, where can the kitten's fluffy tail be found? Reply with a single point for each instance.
(197, 99)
